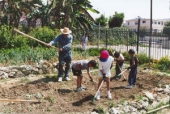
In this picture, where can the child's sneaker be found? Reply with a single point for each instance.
(79, 89)
(68, 79)
(98, 96)
(133, 85)
(129, 87)
(109, 96)
(83, 87)
(60, 79)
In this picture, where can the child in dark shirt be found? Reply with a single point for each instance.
(133, 69)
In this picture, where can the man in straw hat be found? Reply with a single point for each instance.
(65, 54)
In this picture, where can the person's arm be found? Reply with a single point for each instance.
(88, 72)
(54, 41)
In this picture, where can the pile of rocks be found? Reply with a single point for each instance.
(151, 100)
(43, 67)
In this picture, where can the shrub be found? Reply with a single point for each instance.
(44, 34)
(143, 58)
(163, 63)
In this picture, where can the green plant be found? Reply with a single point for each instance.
(163, 63)
(101, 110)
(143, 58)
(126, 56)
(24, 80)
(111, 104)
(138, 97)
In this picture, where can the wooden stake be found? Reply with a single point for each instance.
(32, 38)
(158, 109)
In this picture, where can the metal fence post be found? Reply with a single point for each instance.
(138, 34)
(106, 39)
(99, 36)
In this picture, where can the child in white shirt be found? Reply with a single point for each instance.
(105, 62)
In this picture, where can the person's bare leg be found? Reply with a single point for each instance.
(78, 81)
(81, 78)
(100, 81)
(108, 84)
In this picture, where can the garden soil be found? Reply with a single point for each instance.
(61, 97)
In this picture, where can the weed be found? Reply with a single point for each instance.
(122, 101)
(101, 110)
(51, 99)
(24, 80)
(111, 104)
(138, 97)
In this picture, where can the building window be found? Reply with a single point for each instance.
(136, 23)
(155, 30)
(128, 23)
(143, 21)
(159, 23)
(155, 22)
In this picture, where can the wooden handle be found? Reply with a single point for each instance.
(19, 100)
(32, 38)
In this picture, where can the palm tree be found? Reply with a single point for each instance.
(73, 13)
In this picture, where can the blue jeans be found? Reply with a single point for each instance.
(64, 64)
(132, 76)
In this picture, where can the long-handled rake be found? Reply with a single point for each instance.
(97, 92)
(32, 37)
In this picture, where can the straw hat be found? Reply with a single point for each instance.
(66, 30)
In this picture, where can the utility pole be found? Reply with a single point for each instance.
(150, 39)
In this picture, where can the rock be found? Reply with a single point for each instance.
(113, 111)
(38, 95)
(94, 112)
(4, 75)
(145, 99)
(166, 91)
(20, 74)
(149, 95)
(12, 74)
(126, 109)
(142, 111)
(144, 104)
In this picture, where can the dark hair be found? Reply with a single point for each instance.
(131, 51)
(93, 63)
(116, 54)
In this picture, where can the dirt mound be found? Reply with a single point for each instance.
(60, 98)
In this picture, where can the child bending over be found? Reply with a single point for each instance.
(77, 68)
(105, 62)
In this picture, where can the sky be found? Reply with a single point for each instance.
(132, 8)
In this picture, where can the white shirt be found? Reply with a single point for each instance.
(105, 66)
(120, 58)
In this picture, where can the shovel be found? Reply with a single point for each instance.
(97, 92)
(121, 72)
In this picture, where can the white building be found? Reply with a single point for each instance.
(157, 24)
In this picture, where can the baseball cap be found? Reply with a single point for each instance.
(104, 55)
